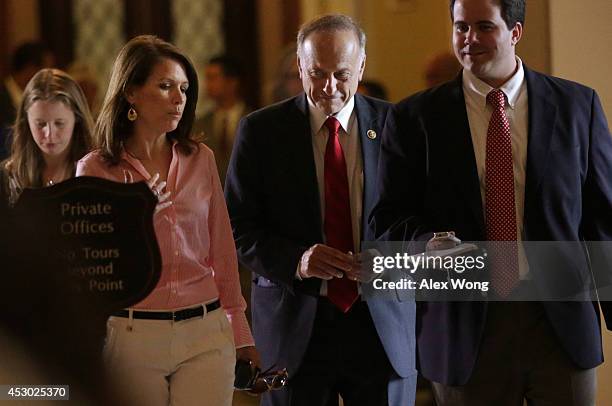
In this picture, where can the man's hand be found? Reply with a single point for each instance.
(362, 269)
(442, 241)
(324, 262)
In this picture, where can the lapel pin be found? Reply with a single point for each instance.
(371, 134)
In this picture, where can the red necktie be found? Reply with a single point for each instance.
(338, 227)
(500, 206)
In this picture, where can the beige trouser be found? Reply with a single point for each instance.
(160, 363)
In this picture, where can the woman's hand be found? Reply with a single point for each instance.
(249, 353)
(156, 187)
(158, 190)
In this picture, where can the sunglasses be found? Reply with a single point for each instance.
(270, 380)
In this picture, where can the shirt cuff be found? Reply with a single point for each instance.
(241, 329)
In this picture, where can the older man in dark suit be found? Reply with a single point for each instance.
(503, 153)
(299, 187)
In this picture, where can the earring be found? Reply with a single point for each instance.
(132, 114)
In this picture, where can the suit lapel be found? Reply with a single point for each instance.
(367, 120)
(460, 150)
(542, 115)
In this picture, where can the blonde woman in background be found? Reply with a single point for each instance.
(51, 132)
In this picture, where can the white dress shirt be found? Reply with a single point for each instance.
(351, 147)
(479, 113)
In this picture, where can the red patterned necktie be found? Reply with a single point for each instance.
(500, 206)
(337, 223)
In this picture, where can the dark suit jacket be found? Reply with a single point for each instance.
(273, 201)
(428, 182)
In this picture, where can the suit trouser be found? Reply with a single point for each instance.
(520, 359)
(344, 356)
(159, 362)
(402, 391)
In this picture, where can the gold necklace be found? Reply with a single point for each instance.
(50, 181)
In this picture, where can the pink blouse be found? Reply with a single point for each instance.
(199, 261)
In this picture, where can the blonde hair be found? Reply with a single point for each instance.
(25, 164)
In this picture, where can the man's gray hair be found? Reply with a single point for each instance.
(331, 22)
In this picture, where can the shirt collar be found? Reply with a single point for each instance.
(479, 89)
(318, 117)
(135, 162)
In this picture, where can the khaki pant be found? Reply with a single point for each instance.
(160, 363)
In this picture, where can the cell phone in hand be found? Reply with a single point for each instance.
(245, 374)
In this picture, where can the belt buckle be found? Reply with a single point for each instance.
(174, 314)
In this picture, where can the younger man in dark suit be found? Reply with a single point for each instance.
(502, 153)
(299, 187)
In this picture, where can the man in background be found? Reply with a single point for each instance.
(441, 68)
(27, 59)
(222, 78)
(373, 88)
